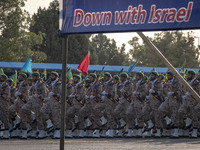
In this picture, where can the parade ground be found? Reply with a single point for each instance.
(103, 144)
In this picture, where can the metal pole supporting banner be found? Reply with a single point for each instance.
(64, 70)
(169, 65)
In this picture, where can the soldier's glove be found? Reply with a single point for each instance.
(18, 94)
(187, 94)
(152, 91)
(92, 97)
(170, 93)
(122, 90)
(136, 93)
(104, 93)
(36, 95)
(71, 96)
(87, 97)
(51, 93)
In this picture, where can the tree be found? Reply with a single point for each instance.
(16, 41)
(107, 51)
(175, 46)
(46, 21)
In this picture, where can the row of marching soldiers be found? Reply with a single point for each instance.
(113, 107)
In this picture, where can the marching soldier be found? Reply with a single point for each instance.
(4, 105)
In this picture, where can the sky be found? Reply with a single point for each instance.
(32, 6)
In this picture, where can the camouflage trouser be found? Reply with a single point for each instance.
(138, 106)
(154, 105)
(51, 110)
(4, 113)
(187, 109)
(130, 116)
(120, 111)
(163, 111)
(109, 114)
(33, 105)
(72, 112)
(69, 122)
(147, 111)
(97, 113)
(84, 112)
(16, 109)
(197, 110)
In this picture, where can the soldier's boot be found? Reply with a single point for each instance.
(146, 134)
(16, 122)
(68, 134)
(150, 125)
(194, 133)
(181, 133)
(56, 134)
(6, 134)
(81, 133)
(139, 133)
(103, 121)
(188, 123)
(103, 133)
(120, 133)
(168, 122)
(158, 133)
(111, 133)
(130, 133)
(176, 133)
(15, 134)
(89, 133)
(32, 134)
(186, 133)
(24, 134)
(2, 129)
(122, 123)
(49, 124)
(88, 123)
(42, 134)
(96, 133)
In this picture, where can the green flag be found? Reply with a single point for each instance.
(14, 78)
(102, 74)
(69, 75)
(183, 67)
(1, 71)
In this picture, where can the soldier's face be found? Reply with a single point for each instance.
(138, 77)
(87, 85)
(153, 77)
(20, 78)
(190, 76)
(169, 77)
(106, 78)
(53, 77)
(92, 79)
(2, 79)
(76, 80)
(35, 78)
(123, 79)
(30, 82)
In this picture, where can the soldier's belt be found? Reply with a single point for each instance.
(80, 102)
(137, 96)
(126, 97)
(110, 98)
(22, 99)
(69, 102)
(157, 97)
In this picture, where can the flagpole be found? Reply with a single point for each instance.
(169, 65)
(63, 104)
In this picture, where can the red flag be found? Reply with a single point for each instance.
(84, 65)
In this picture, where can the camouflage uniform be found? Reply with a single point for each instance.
(4, 104)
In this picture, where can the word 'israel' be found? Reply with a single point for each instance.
(133, 15)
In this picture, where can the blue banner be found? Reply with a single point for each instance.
(104, 16)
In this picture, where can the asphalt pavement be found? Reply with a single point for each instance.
(103, 144)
